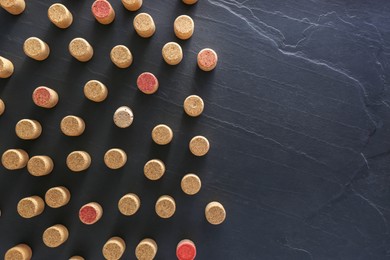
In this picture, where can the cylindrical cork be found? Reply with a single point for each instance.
(28, 129)
(172, 53)
(40, 165)
(154, 169)
(90, 213)
(6, 68)
(45, 97)
(121, 56)
(147, 83)
(129, 204)
(14, 159)
(80, 49)
(95, 91)
(78, 161)
(183, 27)
(115, 158)
(186, 250)
(165, 206)
(76, 257)
(199, 145)
(191, 184)
(72, 125)
(60, 16)
(19, 252)
(114, 248)
(190, 2)
(132, 5)
(55, 236)
(162, 134)
(193, 105)
(30, 206)
(144, 25)
(57, 197)
(123, 117)
(215, 213)
(36, 49)
(207, 59)
(14, 7)
(146, 249)
(103, 11)
(2, 107)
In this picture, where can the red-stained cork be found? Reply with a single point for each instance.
(147, 83)
(103, 11)
(45, 97)
(90, 213)
(186, 250)
(207, 59)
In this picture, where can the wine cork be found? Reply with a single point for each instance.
(190, 2)
(36, 49)
(147, 83)
(14, 7)
(123, 117)
(199, 145)
(207, 59)
(165, 206)
(2, 107)
(40, 165)
(30, 206)
(18, 252)
(78, 161)
(132, 5)
(193, 105)
(115, 158)
(191, 184)
(129, 204)
(55, 236)
(144, 25)
(6, 68)
(80, 49)
(154, 169)
(146, 249)
(215, 213)
(95, 91)
(90, 213)
(121, 56)
(103, 11)
(72, 126)
(172, 53)
(14, 159)
(162, 134)
(28, 129)
(183, 26)
(114, 248)
(57, 197)
(186, 250)
(76, 257)
(60, 16)
(45, 97)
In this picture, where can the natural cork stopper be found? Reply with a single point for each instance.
(2, 107)
(80, 49)
(132, 5)
(123, 117)
(45, 97)
(215, 213)
(190, 2)
(199, 145)
(146, 249)
(14, 7)
(72, 125)
(95, 91)
(162, 134)
(144, 25)
(30, 206)
(57, 197)
(40, 165)
(115, 158)
(6, 68)
(183, 27)
(186, 250)
(90, 213)
(28, 129)
(19, 252)
(191, 184)
(14, 159)
(129, 204)
(103, 11)
(172, 53)
(207, 59)
(55, 236)
(78, 161)
(114, 248)
(121, 56)
(147, 83)
(193, 105)
(60, 16)
(36, 49)
(154, 169)
(165, 206)
(76, 257)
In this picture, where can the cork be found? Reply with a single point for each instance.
(144, 25)
(40, 165)
(121, 56)
(154, 169)
(90, 213)
(191, 184)
(60, 16)
(2, 107)
(55, 236)
(57, 197)
(199, 145)
(6, 68)
(193, 105)
(207, 59)
(147, 83)
(162, 134)
(95, 91)
(36, 49)
(186, 250)
(103, 11)
(72, 125)
(30, 206)
(129, 204)
(132, 5)
(14, 7)
(172, 53)
(76, 257)
(14, 159)
(165, 206)
(123, 117)
(215, 213)
(45, 97)
(80, 49)
(78, 161)
(183, 26)
(115, 158)
(18, 252)
(114, 248)
(190, 2)
(28, 129)
(146, 249)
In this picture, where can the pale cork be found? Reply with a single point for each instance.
(57, 197)
(115, 158)
(55, 236)
(60, 16)
(191, 184)
(183, 26)
(40, 165)
(14, 159)
(6, 68)
(72, 125)
(172, 53)
(123, 117)
(144, 25)
(146, 249)
(36, 49)
(103, 11)
(28, 129)
(121, 56)
(215, 213)
(190, 2)
(2, 107)
(30, 206)
(114, 248)
(165, 206)
(78, 161)
(18, 252)
(154, 169)
(207, 59)
(132, 5)
(199, 145)
(14, 7)
(129, 204)
(90, 213)
(45, 97)
(76, 257)
(95, 91)
(80, 49)
(193, 105)
(162, 134)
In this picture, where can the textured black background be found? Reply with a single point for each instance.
(297, 114)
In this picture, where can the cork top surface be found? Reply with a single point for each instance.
(7, 3)
(58, 13)
(121, 54)
(165, 206)
(193, 105)
(123, 117)
(143, 22)
(72, 125)
(55, 236)
(57, 197)
(115, 158)
(13, 159)
(191, 184)
(207, 58)
(40, 165)
(215, 213)
(129, 204)
(78, 161)
(79, 47)
(95, 90)
(101, 8)
(90, 213)
(18, 252)
(28, 129)
(162, 134)
(186, 250)
(199, 146)
(154, 169)
(33, 46)
(147, 83)
(30, 207)
(184, 24)
(172, 53)
(146, 249)
(113, 249)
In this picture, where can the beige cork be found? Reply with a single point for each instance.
(19, 252)
(76, 257)
(30, 206)
(190, 2)
(165, 206)
(60, 16)
(14, 7)
(78, 161)
(2, 107)
(55, 236)
(90, 213)
(103, 11)
(72, 125)
(57, 197)
(129, 204)
(123, 117)
(199, 145)
(36, 49)
(40, 165)
(132, 5)
(121, 56)
(28, 129)
(215, 213)
(45, 97)
(114, 248)
(207, 59)
(183, 26)
(162, 134)
(193, 105)
(95, 91)
(115, 158)
(144, 25)
(146, 249)
(14, 159)
(154, 169)
(172, 53)
(80, 49)
(191, 184)
(6, 68)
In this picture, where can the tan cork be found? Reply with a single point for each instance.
(78, 161)
(193, 105)
(165, 206)
(154, 169)
(36, 49)
(18, 252)
(191, 184)
(121, 56)
(123, 117)
(40, 165)
(80, 49)
(76, 257)
(129, 204)
(172, 53)
(60, 16)
(72, 125)
(199, 145)
(28, 129)
(6, 68)
(103, 11)
(183, 26)
(207, 59)
(115, 158)
(95, 91)
(146, 249)
(57, 197)
(2, 107)
(55, 236)
(30, 206)
(114, 248)
(162, 134)
(14, 7)
(45, 97)
(144, 25)
(14, 159)
(190, 2)
(90, 213)
(215, 213)
(132, 5)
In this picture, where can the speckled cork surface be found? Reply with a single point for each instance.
(6, 68)
(19, 252)
(165, 206)
(95, 91)
(57, 197)
(36, 49)
(132, 5)
(14, 159)
(72, 125)
(40, 165)
(144, 25)
(114, 248)
(154, 169)
(162, 134)
(115, 158)
(80, 49)
(28, 129)
(215, 213)
(183, 27)
(78, 161)
(146, 249)
(55, 236)
(129, 204)
(30, 206)
(60, 16)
